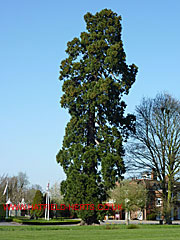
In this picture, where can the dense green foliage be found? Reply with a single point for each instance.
(95, 77)
(2, 212)
(131, 194)
(58, 221)
(38, 199)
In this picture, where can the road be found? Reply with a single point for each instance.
(102, 223)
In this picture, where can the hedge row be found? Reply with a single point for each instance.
(45, 222)
(2, 212)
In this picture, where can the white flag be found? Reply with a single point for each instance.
(5, 189)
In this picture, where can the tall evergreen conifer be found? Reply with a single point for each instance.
(37, 211)
(95, 77)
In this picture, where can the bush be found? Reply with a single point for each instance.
(45, 222)
(9, 219)
(38, 199)
(17, 220)
(132, 226)
(2, 212)
(151, 216)
(111, 226)
(65, 213)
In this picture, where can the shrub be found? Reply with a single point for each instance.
(151, 216)
(17, 220)
(38, 199)
(111, 226)
(132, 226)
(2, 212)
(45, 222)
(9, 219)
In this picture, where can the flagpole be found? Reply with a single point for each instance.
(6, 202)
(47, 203)
(46, 208)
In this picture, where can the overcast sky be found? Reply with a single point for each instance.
(33, 37)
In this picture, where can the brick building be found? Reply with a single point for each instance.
(154, 205)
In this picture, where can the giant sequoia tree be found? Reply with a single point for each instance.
(95, 77)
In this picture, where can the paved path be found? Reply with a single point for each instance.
(10, 224)
(101, 223)
(134, 222)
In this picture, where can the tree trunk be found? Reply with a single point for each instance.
(169, 202)
(91, 128)
(127, 218)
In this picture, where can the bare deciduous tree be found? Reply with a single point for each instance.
(156, 143)
(55, 193)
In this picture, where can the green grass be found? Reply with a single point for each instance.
(115, 232)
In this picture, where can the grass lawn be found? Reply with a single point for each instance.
(143, 232)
